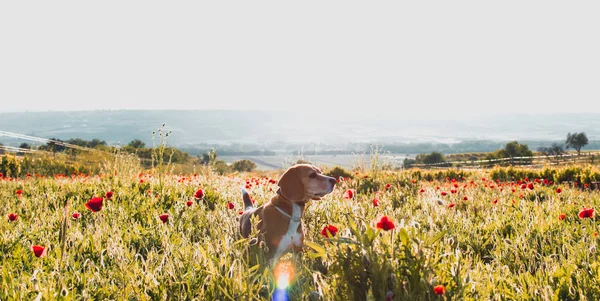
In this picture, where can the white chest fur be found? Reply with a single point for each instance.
(291, 237)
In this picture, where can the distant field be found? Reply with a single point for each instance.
(346, 161)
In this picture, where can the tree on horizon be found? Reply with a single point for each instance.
(576, 141)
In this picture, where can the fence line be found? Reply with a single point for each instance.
(62, 143)
(521, 161)
(45, 140)
(17, 149)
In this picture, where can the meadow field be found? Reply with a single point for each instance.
(128, 234)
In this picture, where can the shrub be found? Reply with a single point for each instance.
(221, 167)
(10, 166)
(243, 165)
(583, 175)
(338, 172)
(441, 175)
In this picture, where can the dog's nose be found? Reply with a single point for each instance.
(332, 181)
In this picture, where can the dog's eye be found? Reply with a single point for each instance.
(313, 175)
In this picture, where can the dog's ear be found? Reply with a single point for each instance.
(291, 185)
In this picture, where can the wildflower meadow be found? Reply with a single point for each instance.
(132, 234)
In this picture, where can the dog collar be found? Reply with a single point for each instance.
(301, 204)
(285, 213)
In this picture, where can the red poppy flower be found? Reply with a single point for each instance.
(562, 216)
(451, 205)
(530, 186)
(495, 201)
(19, 193)
(75, 215)
(12, 217)
(523, 186)
(385, 223)
(230, 205)
(558, 190)
(466, 198)
(199, 194)
(387, 186)
(331, 229)
(375, 202)
(189, 203)
(444, 193)
(453, 191)
(586, 212)
(39, 251)
(349, 194)
(422, 190)
(95, 204)
(164, 218)
(109, 195)
(439, 289)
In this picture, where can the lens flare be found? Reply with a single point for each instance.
(283, 280)
(284, 272)
(280, 295)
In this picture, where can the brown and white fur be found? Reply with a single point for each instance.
(280, 218)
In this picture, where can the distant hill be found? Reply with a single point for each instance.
(277, 130)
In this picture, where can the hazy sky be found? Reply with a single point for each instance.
(440, 57)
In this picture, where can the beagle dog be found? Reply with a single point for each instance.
(280, 218)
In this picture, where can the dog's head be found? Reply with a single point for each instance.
(303, 182)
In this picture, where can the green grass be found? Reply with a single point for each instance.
(477, 250)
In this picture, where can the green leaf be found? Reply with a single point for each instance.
(241, 241)
(344, 240)
(404, 236)
(371, 235)
(319, 251)
(353, 228)
(559, 273)
(435, 238)
(253, 269)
